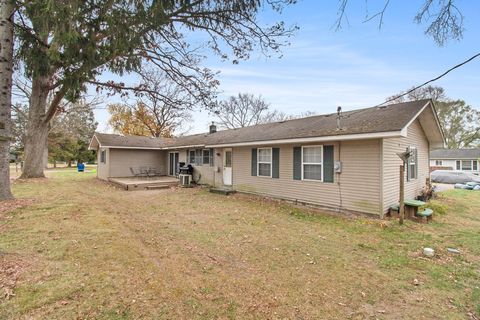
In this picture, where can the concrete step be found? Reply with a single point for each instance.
(225, 192)
(158, 187)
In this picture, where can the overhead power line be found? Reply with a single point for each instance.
(430, 81)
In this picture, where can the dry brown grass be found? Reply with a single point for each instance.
(95, 251)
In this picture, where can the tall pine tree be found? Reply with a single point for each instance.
(66, 44)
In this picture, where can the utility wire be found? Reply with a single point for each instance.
(431, 80)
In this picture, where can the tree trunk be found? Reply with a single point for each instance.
(37, 129)
(45, 154)
(6, 69)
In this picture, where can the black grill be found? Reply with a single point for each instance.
(188, 169)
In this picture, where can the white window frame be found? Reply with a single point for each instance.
(209, 157)
(313, 163)
(415, 151)
(461, 165)
(103, 156)
(471, 165)
(198, 157)
(190, 157)
(263, 162)
(438, 163)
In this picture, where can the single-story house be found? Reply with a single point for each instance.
(347, 162)
(455, 159)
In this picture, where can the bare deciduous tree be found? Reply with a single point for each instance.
(429, 92)
(460, 122)
(161, 108)
(243, 110)
(247, 110)
(444, 19)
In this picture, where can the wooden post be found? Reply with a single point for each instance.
(401, 207)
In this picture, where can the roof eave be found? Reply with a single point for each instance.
(358, 136)
(434, 144)
(90, 145)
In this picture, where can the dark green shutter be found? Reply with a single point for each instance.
(328, 164)
(187, 158)
(297, 163)
(254, 161)
(211, 157)
(276, 163)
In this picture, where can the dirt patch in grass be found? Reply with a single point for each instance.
(10, 205)
(11, 267)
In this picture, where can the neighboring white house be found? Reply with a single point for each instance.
(455, 159)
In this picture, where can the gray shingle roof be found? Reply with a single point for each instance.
(370, 120)
(455, 154)
(116, 140)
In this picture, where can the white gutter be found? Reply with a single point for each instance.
(377, 135)
(359, 136)
(144, 148)
(184, 147)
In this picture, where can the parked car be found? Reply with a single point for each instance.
(452, 177)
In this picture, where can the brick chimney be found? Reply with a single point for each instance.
(213, 127)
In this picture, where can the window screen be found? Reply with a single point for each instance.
(312, 157)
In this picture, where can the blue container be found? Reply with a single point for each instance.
(80, 167)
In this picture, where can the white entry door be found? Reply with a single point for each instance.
(227, 167)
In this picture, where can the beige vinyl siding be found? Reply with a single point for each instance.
(103, 168)
(391, 164)
(359, 181)
(205, 173)
(122, 159)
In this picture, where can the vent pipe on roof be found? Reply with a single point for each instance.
(339, 116)
(213, 127)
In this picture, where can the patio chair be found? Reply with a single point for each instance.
(136, 174)
(153, 172)
(144, 171)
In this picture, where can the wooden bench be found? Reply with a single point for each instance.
(411, 209)
(426, 213)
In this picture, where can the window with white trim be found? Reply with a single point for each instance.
(103, 156)
(206, 156)
(467, 165)
(412, 163)
(438, 162)
(191, 156)
(312, 163)
(264, 162)
(198, 157)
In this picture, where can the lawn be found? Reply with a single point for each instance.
(80, 248)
